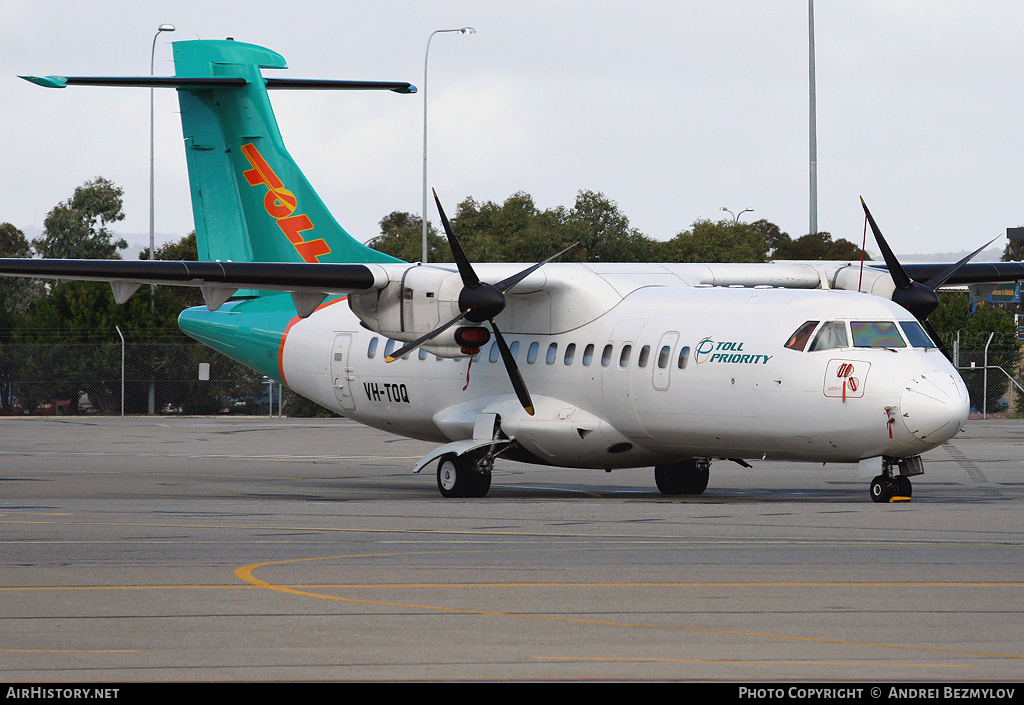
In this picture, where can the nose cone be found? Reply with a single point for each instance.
(934, 406)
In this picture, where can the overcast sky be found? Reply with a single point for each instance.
(672, 109)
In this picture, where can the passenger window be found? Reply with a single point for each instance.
(645, 352)
(422, 354)
(552, 354)
(606, 356)
(514, 349)
(798, 341)
(372, 350)
(570, 353)
(531, 354)
(493, 355)
(389, 348)
(627, 350)
(588, 355)
(663, 357)
(876, 334)
(684, 357)
(832, 335)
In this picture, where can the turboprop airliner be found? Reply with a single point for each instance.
(560, 364)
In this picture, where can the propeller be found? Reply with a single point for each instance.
(920, 299)
(479, 302)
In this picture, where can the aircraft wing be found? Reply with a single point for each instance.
(970, 273)
(217, 280)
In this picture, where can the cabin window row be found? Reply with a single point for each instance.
(622, 358)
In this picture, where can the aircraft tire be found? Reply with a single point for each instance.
(903, 486)
(479, 484)
(457, 478)
(881, 489)
(688, 477)
(452, 476)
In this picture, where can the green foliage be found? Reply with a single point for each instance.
(518, 231)
(955, 316)
(77, 228)
(183, 250)
(16, 295)
(815, 246)
(402, 237)
(722, 241)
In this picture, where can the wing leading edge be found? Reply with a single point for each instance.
(309, 284)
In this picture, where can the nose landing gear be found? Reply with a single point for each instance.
(888, 487)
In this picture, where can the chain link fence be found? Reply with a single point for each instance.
(64, 372)
(991, 366)
(96, 372)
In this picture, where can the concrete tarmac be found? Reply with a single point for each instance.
(246, 549)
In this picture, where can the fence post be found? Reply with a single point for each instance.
(122, 368)
(984, 396)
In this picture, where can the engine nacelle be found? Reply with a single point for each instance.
(871, 281)
(416, 300)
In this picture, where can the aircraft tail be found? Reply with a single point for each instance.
(250, 201)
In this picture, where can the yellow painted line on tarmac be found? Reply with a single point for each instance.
(245, 573)
(72, 651)
(87, 588)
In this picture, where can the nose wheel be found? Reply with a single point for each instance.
(886, 488)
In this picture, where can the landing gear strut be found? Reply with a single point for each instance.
(686, 477)
(464, 475)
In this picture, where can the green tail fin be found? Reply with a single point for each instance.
(250, 201)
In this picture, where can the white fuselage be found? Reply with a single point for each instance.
(665, 374)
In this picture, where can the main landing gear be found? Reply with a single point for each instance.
(686, 477)
(464, 475)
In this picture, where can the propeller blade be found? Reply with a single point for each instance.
(505, 284)
(896, 271)
(469, 277)
(406, 349)
(934, 335)
(919, 299)
(513, 371)
(939, 279)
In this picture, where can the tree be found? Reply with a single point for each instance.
(77, 228)
(183, 250)
(956, 314)
(815, 246)
(401, 236)
(16, 295)
(722, 241)
(603, 232)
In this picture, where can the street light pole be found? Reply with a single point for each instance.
(152, 57)
(736, 218)
(426, 56)
(152, 243)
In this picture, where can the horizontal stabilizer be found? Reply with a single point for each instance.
(210, 82)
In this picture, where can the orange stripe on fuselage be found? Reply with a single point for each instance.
(287, 329)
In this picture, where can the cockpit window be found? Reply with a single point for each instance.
(798, 341)
(832, 335)
(876, 334)
(916, 335)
